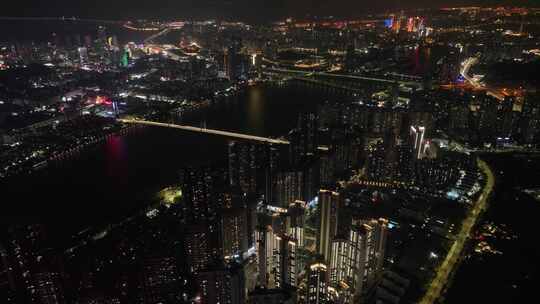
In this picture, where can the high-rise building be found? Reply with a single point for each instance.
(410, 24)
(304, 139)
(296, 221)
(233, 64)
(83, 55)
(47, 288)
(124, 59)
(288, 186)
(329, 205)
(37, 271)
(338, 262)
(508, 118)
(357, 261)
(377, 246)
(459, 118)
(285, 268)
(234, 234)
(222, 285)
(160, 280)
(530, 120)
(272, 259)
(243, 166)
(327, 169)
(7, 277)
(201, 199)
(201, 246)
(487, 118)
(350, 58)
(365, 257)
(404, 172)
(264, 254)
(418, 141)
(276, 250)
(273, 158)
(317, 284)
(273, 296)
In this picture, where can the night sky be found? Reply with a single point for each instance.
(249, 10)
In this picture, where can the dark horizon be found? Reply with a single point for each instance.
(244, 10)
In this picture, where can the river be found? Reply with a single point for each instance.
(118, 177)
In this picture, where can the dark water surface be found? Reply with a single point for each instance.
(513, 276)
(118, 177)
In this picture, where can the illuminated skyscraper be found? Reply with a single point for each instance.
(243, 166)
(327, 169)
(160, 280)
(199, 188)
(222, 285)
(410, 24)
(377, 246)
(273, 249)
(124, 60)
(233, 64)
(329, 205)
(317, 286)
(338, 262)
(295, 221)
(304, 139)
(288, 186)
(418, 141)
(364, 257)
(83, 55)
(285, 270)
(357, 261)
(264, 247)
(201, 246)
(234, 234)
(530, 120)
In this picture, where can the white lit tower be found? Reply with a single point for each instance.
(329, 204)
(418, 142)
(285, 268)
(317, 286)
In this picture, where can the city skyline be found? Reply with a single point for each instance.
(229, 10)
(347, 159)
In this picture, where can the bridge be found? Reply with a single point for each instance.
(207, 131)
(327, 84)
(316, 76)
(7, 18)
(466, 66)
(156, 35)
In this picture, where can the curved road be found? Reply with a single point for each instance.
(467, 64)
(436, 287)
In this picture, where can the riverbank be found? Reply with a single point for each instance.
(510, 276)
(448, 266)
(115, 178)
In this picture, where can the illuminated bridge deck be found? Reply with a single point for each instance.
(207, 131)
(300, 73)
